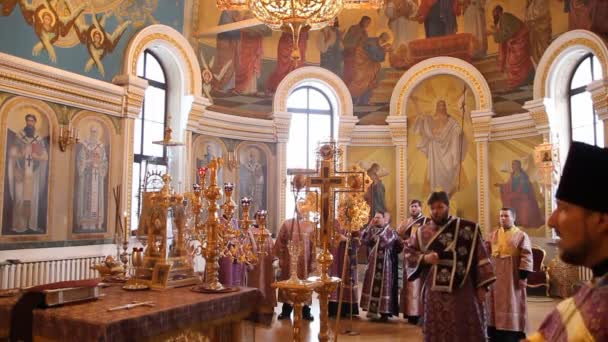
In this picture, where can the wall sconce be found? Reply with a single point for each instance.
(231, 162)
(67, 137)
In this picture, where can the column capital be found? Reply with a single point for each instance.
(397, 125)
(481, 124)
(538, 112)
(346, 125)
(599, 96)
(281, 122)
(135, 89)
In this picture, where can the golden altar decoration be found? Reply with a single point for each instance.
(329, 182)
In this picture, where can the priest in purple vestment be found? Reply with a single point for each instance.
(581, 222)
(512, 260)
(411, 307)
(297, 230)
(448, 255)
(261, 276)
(345, 263)
(380, 295)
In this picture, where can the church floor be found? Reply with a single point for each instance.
(398, 329)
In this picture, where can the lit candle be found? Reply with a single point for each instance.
(126, 227)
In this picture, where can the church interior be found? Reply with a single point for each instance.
(179, 170)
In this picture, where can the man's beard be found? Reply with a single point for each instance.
(29, 131)
(577, 255)
(441, 219)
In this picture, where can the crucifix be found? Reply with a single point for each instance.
(328, 181)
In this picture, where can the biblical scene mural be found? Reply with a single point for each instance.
(26, 171)
(440, 147)
(92, 175)
(379, 162)
(514, 183)
(370, 50)
(79, 35)
(253, 176)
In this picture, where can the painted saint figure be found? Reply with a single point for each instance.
(514, 56)
(475, 23)
(375, 195)
(330, 46)
(367, 63)
(538, 20)
(355, 38)
(518, 193)
(438, 16)
(26, 180)
(253, 180)
(90, 201)
(443, 143)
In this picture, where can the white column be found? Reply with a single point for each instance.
(346, 125)
(135, 88)
(282, 121)
(481, 134)
(599, 95)
(398, 128)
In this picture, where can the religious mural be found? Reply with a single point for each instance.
(440, 148)
(503, 39)
(514, 183)
(26, 172)
(92, 173)
(204, 150)
(253, 175)
(379, 163)
(79, 33)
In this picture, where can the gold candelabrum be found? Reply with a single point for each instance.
(218, 236)
(67, 136)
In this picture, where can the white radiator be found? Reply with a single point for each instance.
(584, 273)
(32, 273)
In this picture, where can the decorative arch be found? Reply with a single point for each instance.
(316, 74)
(113, 172)
(174, 51)
(41, 108)
(561, 56)
(440, 66)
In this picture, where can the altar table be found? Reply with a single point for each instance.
(178, 315)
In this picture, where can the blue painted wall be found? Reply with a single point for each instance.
(17, 37)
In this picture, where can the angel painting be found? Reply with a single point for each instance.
(208, 75)
(375, 195)
(47, 23)
(98, 41)
(518, 194)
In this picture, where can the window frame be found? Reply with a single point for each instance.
(308, 111)
(580, 90)
(138, 156)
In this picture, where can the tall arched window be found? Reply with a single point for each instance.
(149, 127)
(584, 123)
(312, 121)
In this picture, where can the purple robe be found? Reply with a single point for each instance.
(350, 280)
(262, 274)
(452, 311)
(380, 285)
(507, 297)
(292, 229)
(583, 317)
(231, 272)
(410, 303)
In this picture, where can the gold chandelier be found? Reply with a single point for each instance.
(297, 16)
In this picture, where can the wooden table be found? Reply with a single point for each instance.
(177, 313)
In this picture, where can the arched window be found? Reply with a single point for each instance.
(584, 123)
(312, 121)
(149, 127)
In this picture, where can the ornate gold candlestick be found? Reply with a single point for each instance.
(298, 293)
